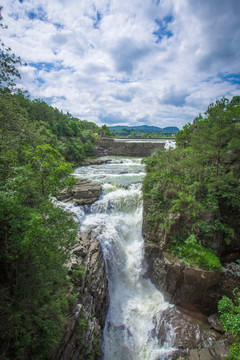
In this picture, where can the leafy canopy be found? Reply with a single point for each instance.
(193, 191)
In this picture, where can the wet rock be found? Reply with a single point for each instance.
(189, 326)
(215, 323)
(194, 340)
(95, 161)
(85, 192)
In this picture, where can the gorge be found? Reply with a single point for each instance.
(137, 323)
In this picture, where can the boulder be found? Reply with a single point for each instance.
(85, 192)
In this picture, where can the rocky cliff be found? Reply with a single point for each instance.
(83, 331)
(195, 293)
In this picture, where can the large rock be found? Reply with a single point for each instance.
(85, 192)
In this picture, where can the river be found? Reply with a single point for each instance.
(135, 304)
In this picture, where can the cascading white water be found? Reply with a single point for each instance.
(135, 304)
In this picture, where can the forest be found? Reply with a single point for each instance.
(39, 146)
(143, 131)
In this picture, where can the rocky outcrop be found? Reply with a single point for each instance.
(193, 338)
(83, 332)
(85, 192)
(180, 282)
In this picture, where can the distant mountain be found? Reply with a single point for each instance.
(170, 129)
(146, 128)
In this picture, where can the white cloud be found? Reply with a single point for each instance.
(127, 62)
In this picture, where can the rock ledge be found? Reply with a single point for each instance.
(85, 192)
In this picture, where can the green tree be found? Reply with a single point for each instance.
(8, 63)
(51, 169)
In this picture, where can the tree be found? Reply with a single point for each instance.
(8, 64)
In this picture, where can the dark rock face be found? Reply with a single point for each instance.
(83, 332)
(85, 192)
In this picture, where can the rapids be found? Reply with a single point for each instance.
(135, 304)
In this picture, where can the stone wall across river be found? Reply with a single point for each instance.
(134, 148)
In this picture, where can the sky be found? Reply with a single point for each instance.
(128, 62)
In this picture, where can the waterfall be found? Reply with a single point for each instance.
(135, 304)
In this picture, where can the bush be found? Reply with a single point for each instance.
(195, 254)
(230, 317)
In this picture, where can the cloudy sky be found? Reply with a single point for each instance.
(132, 62)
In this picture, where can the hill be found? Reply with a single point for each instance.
(144, 128)
(170, 129)
(123, 130)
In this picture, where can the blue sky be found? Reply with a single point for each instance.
(155, 62)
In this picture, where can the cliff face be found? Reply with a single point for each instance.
(180, 282)
(195, 293)
(83, 331)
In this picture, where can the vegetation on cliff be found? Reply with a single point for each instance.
(230, 318)
(192, 193)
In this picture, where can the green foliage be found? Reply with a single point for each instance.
(35, 238)
(8, 63)
(198, 182)
(230, 317)
(195, 254)
(105, 131)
